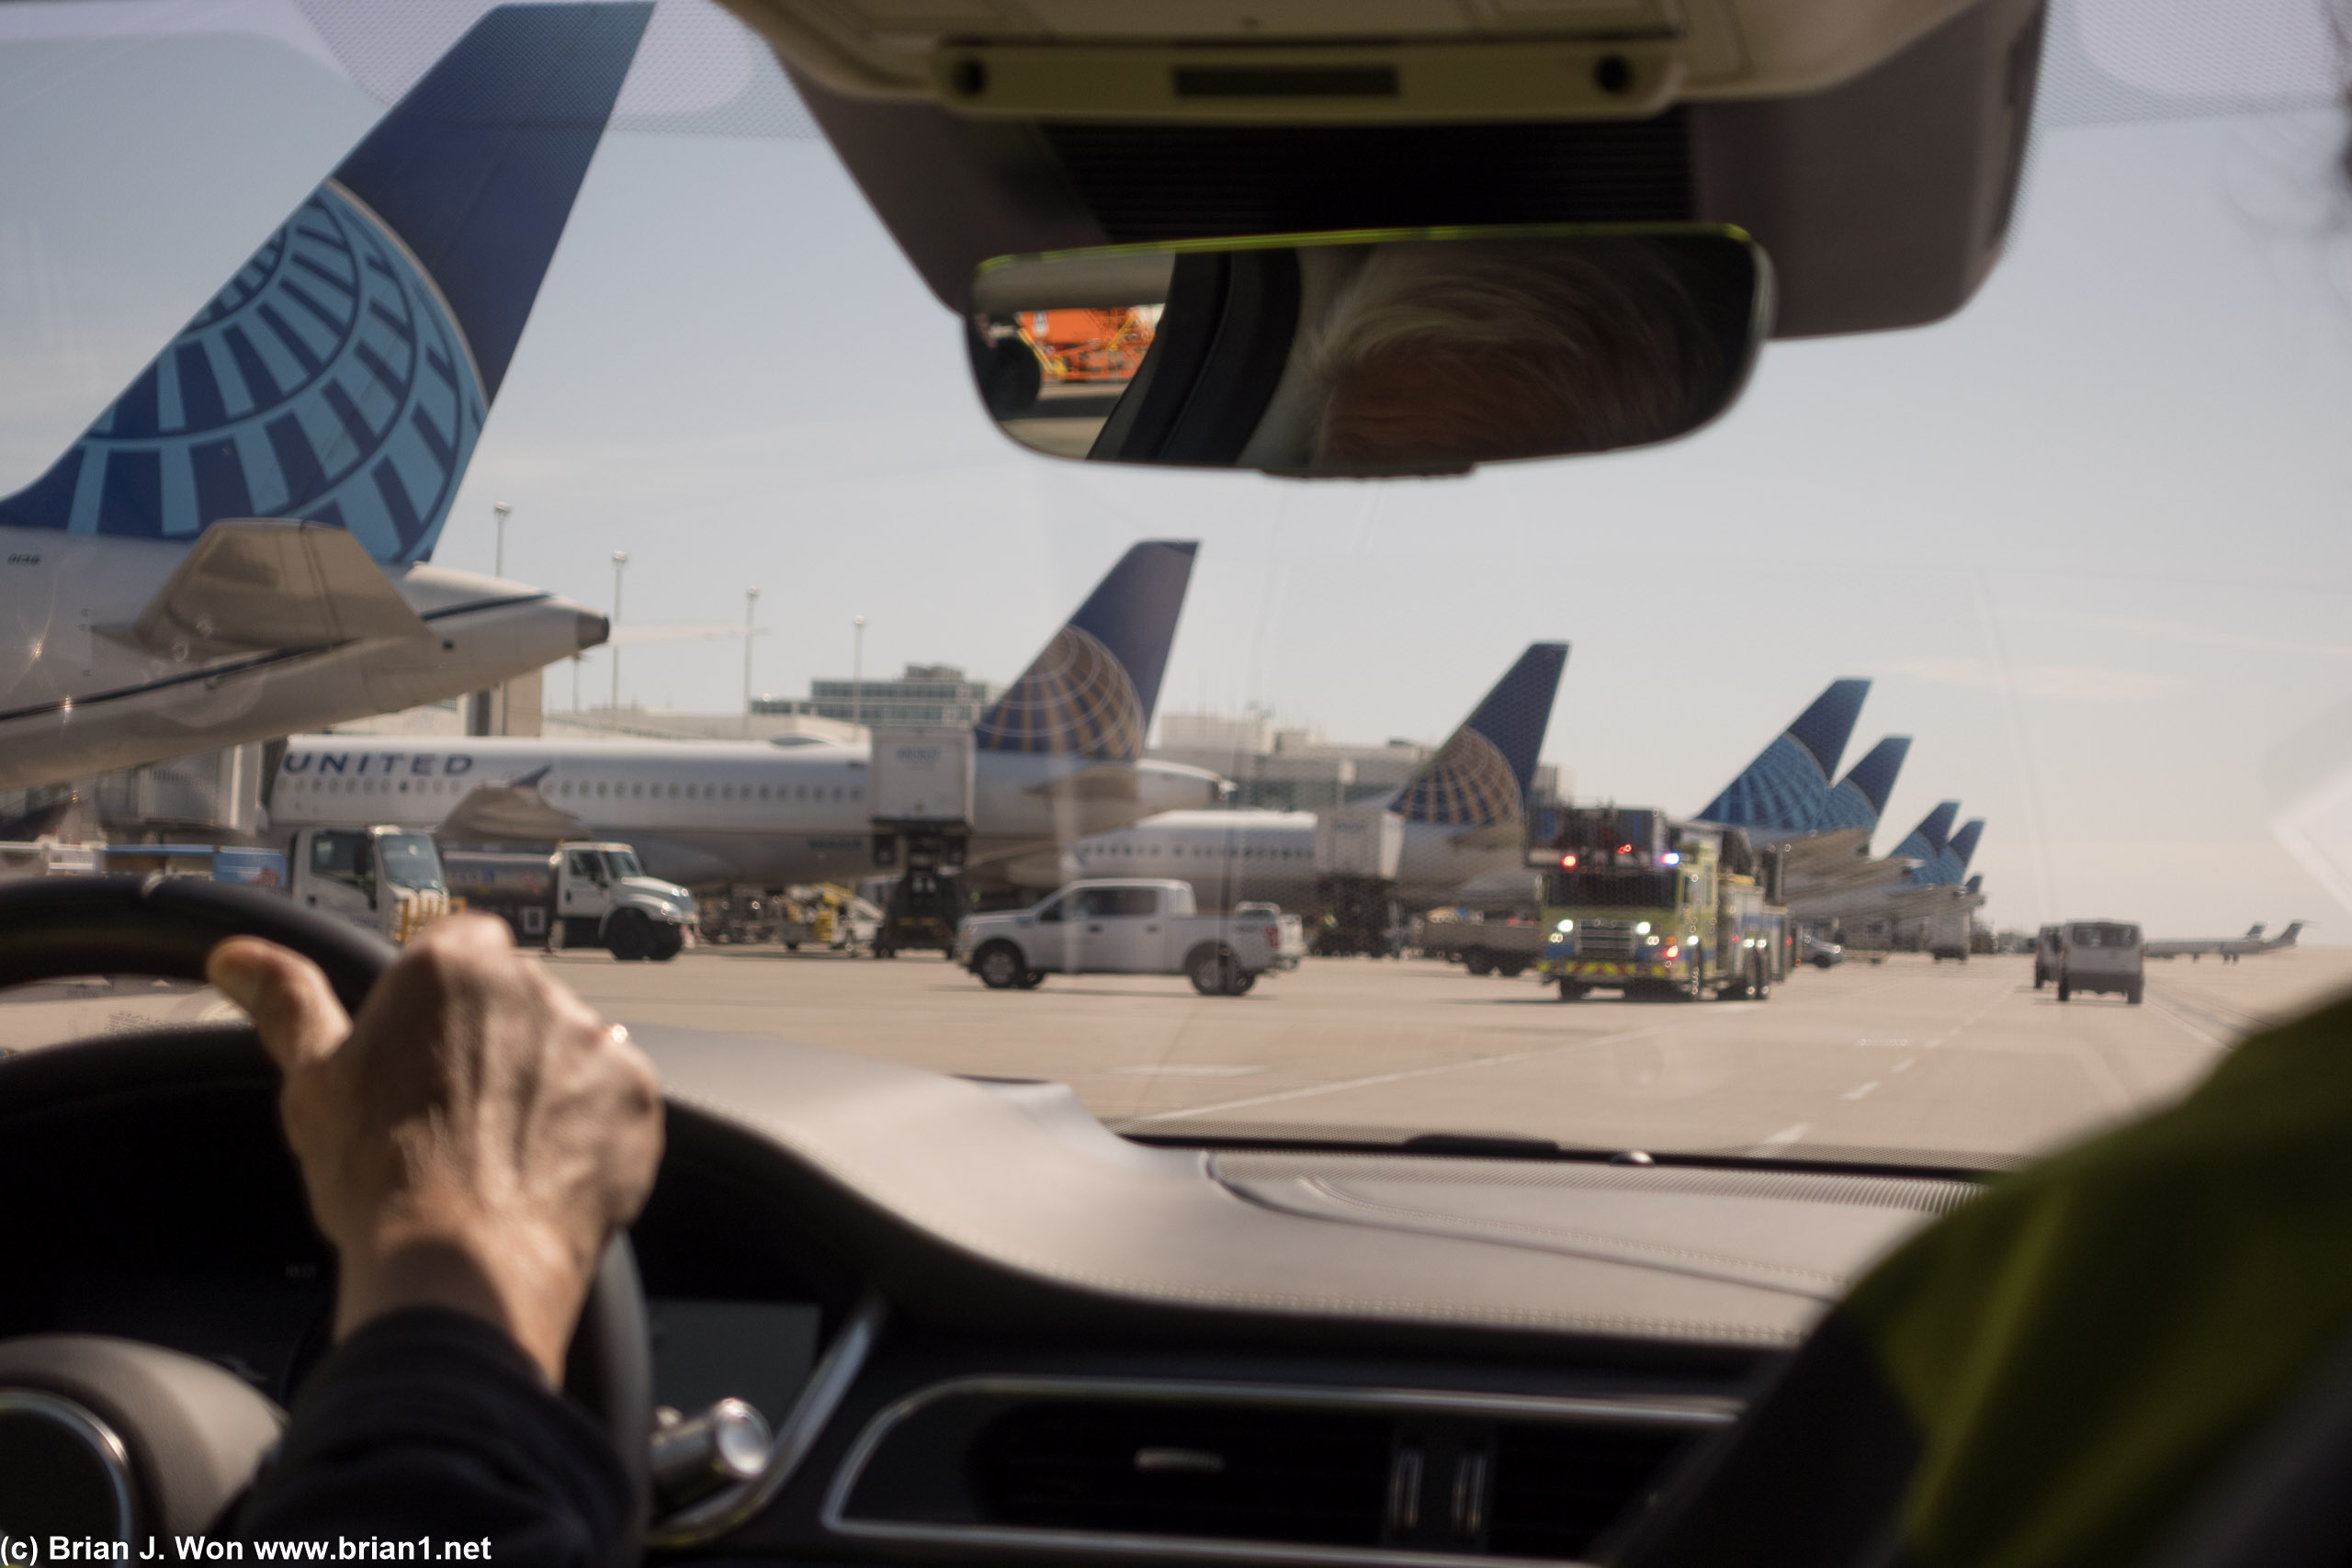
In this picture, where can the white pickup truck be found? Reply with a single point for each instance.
(1120, 928)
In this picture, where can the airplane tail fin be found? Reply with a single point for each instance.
(1092, 691)
(1788, 783)
(1927, 841)
(1962, 848)
(343, 375)
(2287, 938)
(1485, 772)
(1859, 799)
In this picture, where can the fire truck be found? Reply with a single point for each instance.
(1639, 904)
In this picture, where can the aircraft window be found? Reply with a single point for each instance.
(636, 791)
(857, 793)
(602, 788)
(673, 792)
(764, 792)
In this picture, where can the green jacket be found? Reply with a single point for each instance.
(2046, 1378)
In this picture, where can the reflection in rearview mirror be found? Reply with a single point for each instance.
(1364, 354)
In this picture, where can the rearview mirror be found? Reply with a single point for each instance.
(1415, 351)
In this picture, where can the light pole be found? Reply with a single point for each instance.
(613, 708)
(857, 669)
(500, 508)
(751, 598)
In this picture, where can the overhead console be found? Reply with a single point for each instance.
(1873, 149)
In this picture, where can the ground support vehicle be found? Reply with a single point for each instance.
(1358, 851)
(576, 895)
(1120, 928)
(384, 879)
(2102, 955)
(2048, 945)
(1639, 904)
(1949, 928)
(1482, 943)
(1821, 953)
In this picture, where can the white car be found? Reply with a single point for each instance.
(1120, 928)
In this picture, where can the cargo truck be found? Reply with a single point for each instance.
(384, 879)
(1636, 903)
(577, 895)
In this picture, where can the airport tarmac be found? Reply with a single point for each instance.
(1907, 1059)
(1904, 1058)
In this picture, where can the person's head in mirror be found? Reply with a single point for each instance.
(1470, 350)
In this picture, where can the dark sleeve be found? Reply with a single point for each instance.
(432, 1425)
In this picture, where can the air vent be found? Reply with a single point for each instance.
(1233, 1472)
(1558, 1488)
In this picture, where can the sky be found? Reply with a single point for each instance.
(2088, 536)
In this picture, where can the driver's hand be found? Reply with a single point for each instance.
(471, 1141)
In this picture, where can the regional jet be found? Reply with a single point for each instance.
(239, 544)
(2228, 948)
(1059, 757)
(1463, 815)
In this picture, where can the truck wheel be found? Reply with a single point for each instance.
(2065, 991)
(1031, 979)
(792, 947)
(1240, 984)
(2133, 996)
(1478, 961)
(1572, 992)
(668, 942)
(1212, 971)
(1000, 967)
(2039, 977)
(1509, 971)
(629, 935)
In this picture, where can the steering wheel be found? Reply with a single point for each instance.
(159, 1442)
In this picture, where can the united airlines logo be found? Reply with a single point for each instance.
(1075, 701)
(1468, 785)
(328, 382)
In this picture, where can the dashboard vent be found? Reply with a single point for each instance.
(1558, 1488)
(1232, 1472)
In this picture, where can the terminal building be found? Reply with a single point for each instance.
(926, 694)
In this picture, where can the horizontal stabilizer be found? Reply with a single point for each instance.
(509, 814)
(1092, 784)
(259, 583)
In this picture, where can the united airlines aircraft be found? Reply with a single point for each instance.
(239, 545)
(1464, 814)
(1058, 757)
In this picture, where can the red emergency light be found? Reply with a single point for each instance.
(1567, 863)
(1624, 849)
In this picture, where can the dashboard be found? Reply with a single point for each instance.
(984, 1328)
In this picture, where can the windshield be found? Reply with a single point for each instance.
(408, 859)
(2030, 618)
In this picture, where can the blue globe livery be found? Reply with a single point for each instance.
(326, 382)
(343, 375)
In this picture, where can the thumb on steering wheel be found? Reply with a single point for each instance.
(293, 1009)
